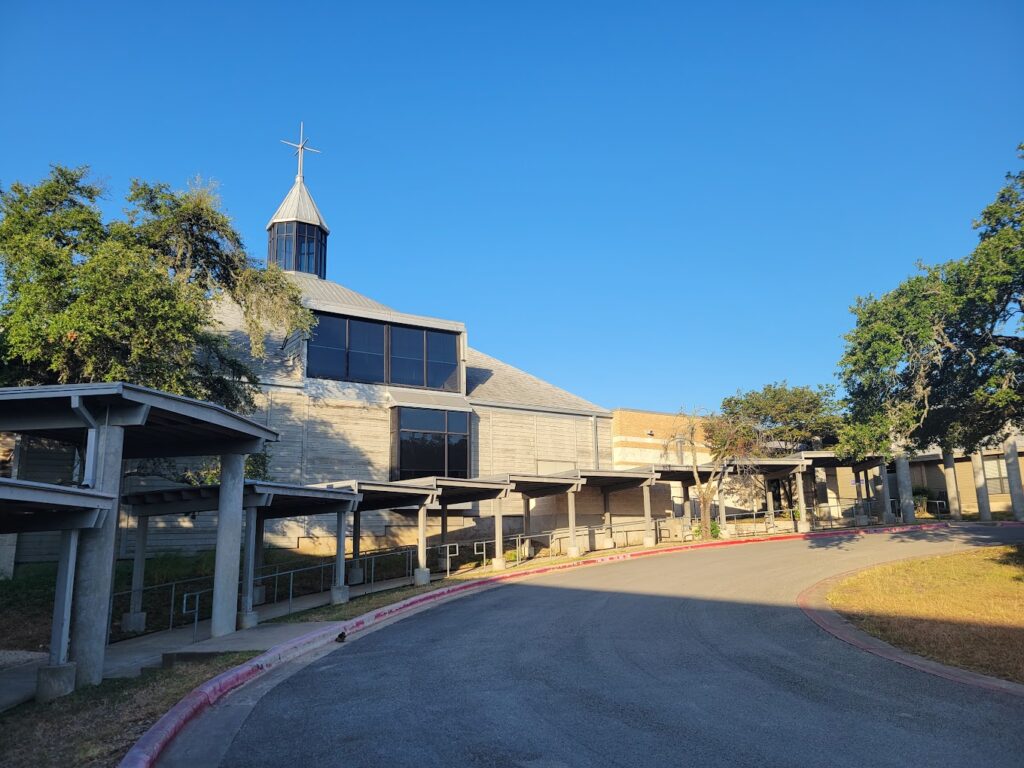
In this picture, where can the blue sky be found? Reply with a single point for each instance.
(650, 204)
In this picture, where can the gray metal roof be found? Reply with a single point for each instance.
(298, 205)
(492, 382)
(157, 423)
(30, 506)
(326, 294)
(273, 500)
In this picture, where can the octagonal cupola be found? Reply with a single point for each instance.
(297, 232)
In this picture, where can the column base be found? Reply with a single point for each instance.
(572, 552)
(527, 549)
(355, 575)
(649, 541)
(803, 526)
(861, 520)
(339, 595)
(609, 541)
(259, 594)
(421, 576)
(54, 681)
(248, 619)
(133, 622)
(498, 564)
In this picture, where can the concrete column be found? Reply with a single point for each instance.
(94, 574)
(952, 491)
(527, 544)
(649, 537)
(687, 509)
(57, 678)
(135, 619)
(574, 550)
(355, 573)
(770, 502)
(821, 488)
(609, 532)
(248, 617)
(8, 549)
(1013, 479)
(421, 575)
(886, 515)
(229, 541)
(723, 519)
(981, 487)
(803, 525)
(498, 563)
(259, 591)
(339, 590)
(905, 489)
(444, 523)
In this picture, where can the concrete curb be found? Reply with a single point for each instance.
(148, 749)
(813, 601)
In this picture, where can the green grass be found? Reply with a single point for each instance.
(96, 726)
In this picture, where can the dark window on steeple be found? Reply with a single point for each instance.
(298, 247)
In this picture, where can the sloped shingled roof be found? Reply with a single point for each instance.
(488, 380)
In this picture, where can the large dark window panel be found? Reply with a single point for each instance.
(366, 351)
(406, 356)
(421, 454)
(421, 419)
(326, 350)
(458, 421)
(442, 360)
(458, 455)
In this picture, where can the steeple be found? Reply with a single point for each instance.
(297, 232)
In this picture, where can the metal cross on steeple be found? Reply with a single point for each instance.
(300, 148)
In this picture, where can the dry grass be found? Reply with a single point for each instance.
(966, 610)
(96, 726)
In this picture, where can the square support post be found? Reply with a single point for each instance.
(94, 573)
(355, 573)
(421, 575)
(952, 490)
(769, 504)
(527, 543)
(649, 537)
(687, 510)
(885, 499)
(803, 525)
(905, 489)
(229, 540)
(574, 549)
(135, 619)
(339, 590)
(981, 487)
(57, 678)
(248, 617)
(498, 564)
(444, 523)
(1013, 478)
(609, 532)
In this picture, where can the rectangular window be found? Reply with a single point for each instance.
(325, 354)
(995, 474)
(431, 443)
(442, 361)
(366, 351)
(406, 356)
(379, 353)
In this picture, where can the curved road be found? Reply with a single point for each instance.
(699, 658)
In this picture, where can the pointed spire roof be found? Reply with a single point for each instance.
(298, 205)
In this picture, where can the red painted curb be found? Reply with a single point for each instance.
(148, 749)
(812, 603)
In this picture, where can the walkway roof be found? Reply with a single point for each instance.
(538, 486)
(271, 499)
(453, 490)
(383, 495)
(28, 506)
(157, 424)
(610, 480)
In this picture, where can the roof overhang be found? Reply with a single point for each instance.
(158, 424)
(611, 480)
(272, 500)
(381, 495)
(28, 506)
(419, 398)
(539, 486)
(454, 490)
